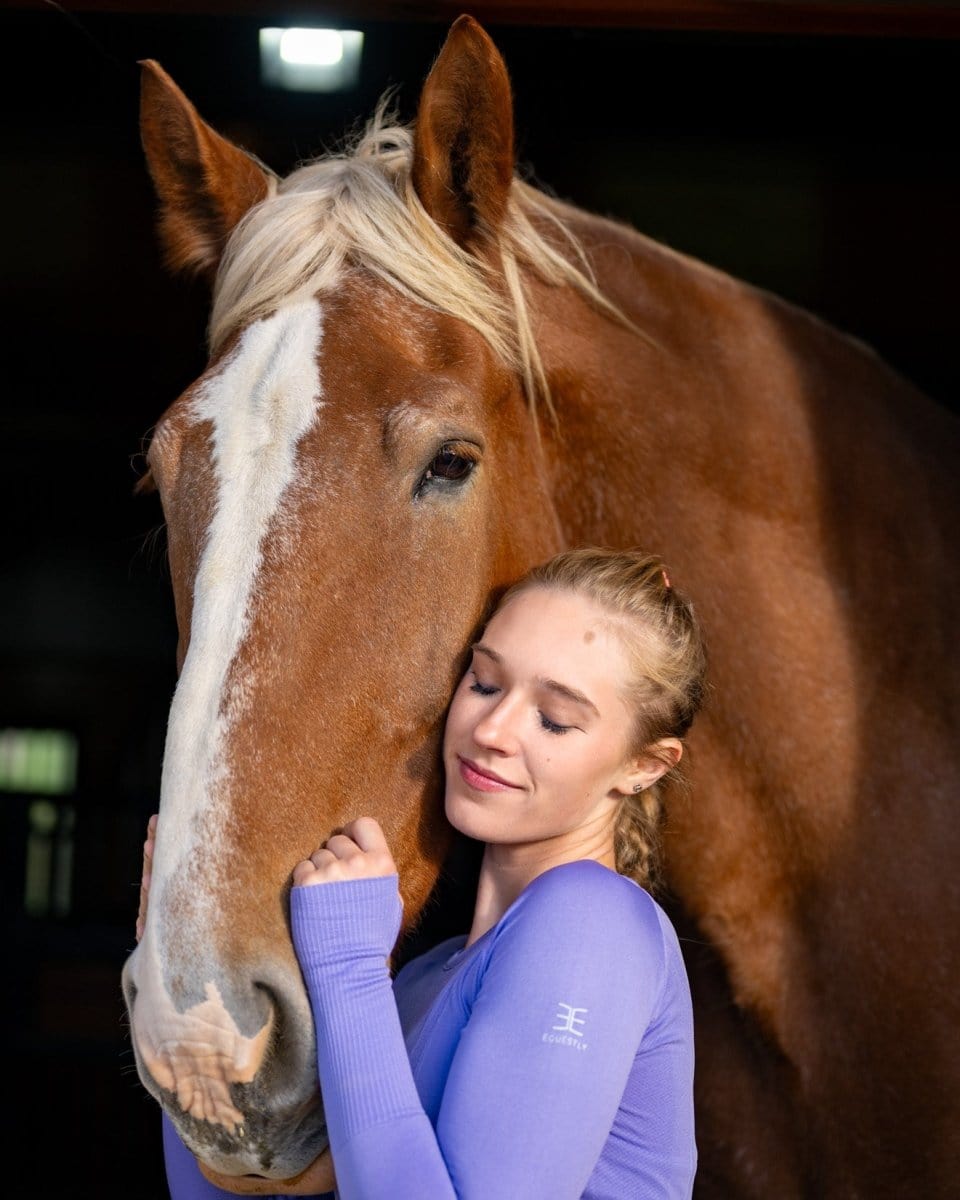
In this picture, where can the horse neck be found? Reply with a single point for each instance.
(722, 364)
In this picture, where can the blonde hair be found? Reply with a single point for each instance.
(358, 209)
(664, 642)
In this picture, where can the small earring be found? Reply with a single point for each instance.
(637, 787)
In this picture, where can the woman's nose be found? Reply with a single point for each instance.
(496, 729)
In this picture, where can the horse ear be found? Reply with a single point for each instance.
(205, 183)
(463, 158)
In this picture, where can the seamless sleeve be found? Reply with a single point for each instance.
(382, 1141)
(569, 982)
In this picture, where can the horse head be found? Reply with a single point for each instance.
(350, 480)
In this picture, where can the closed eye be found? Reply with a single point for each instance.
(482, 689)
(554, 726)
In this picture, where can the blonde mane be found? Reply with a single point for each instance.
(358, 209)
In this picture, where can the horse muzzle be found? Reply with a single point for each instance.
(232, 1061)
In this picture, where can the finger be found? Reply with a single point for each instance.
(304, 872)
(368, 835)
(142, 914)
(341, 845)
(322, 866)
(146, 875)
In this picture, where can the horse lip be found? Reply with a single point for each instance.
(251, 1182)
(238, 1177)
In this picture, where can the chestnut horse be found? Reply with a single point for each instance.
(426, 375)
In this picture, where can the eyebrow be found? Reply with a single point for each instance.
(553, 685)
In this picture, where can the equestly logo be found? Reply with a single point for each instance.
(569, 1032)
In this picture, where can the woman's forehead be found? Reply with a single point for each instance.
(562, 609)
(550, 630)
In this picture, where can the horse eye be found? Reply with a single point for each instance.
(449, 466)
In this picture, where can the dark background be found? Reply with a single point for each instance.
(822, 167)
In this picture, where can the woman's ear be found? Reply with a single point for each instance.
(657, 759)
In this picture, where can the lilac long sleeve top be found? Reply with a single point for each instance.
(552, 1058)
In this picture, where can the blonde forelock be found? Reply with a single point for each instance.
(358, 209)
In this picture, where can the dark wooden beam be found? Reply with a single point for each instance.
(862, 18)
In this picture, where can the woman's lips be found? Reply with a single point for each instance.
(482, 780)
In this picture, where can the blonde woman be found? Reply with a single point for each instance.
(549, 1052)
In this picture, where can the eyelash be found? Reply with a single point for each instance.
(545, 722)
(552, 726)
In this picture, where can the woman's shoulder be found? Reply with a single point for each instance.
(592, 880)
(587, 896)
(582, 921)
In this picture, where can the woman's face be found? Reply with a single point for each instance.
(537, 740)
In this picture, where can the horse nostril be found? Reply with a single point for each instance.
(129, 991)
(270, 996)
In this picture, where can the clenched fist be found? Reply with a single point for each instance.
(358, 851)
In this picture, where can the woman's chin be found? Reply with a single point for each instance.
(469, 815)
(315, 1180)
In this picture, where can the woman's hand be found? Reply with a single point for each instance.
(358, 851)
(147, 870)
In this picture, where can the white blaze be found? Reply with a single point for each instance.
(260, 403)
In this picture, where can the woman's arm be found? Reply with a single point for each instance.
(542, 1062)
(345, 912)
